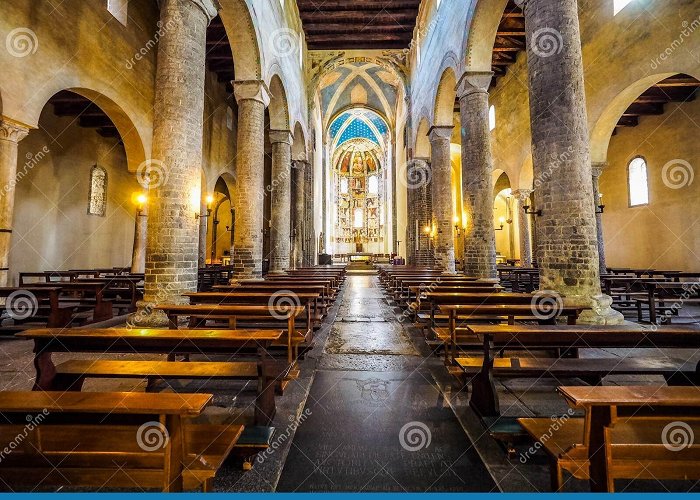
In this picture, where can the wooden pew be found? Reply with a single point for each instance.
(496, 338)
(34, 306)
(86, 296)
(625, 434)
(70, 375)
(99, 440)
(324, 298)
(666, 298)
(199, 313)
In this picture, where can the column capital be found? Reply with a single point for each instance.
(209, 7)
(254, 90)
(521, 3)
(597, 168)
(522, 194)
(474, 82)
(12, 130)
(281, 136)
(299, 164)
(440, 132)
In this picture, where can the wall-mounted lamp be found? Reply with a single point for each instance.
(538, 213)
(140, 200)
(600, 208)
(502, 221)
(210, 200)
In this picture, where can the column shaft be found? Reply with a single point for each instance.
(298, 179)
(442, 198)
(11, 133)
(280, 191)
(248, 200)
(597, 171)
(521, 199)
(568, 256)
(138, 256)
(172, 249)
(477, 180)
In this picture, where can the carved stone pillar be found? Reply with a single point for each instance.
(521, 200)
(11, 132)
(477, 180)
(298, 181)
(248, 199)
(441, 163)
(597, 171)
(281, 194)
(174, 179)
(138, 255)
(567, 236)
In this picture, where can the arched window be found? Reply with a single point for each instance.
(492, 117)
(618, 5)
(118, 8)
(373, 185)
(97, 202)
(638, 182)
(359, 219)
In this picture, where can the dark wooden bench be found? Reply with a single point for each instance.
(111, 440)
(34, 306)
(626, 434)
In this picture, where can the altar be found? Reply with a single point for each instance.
(360, 257)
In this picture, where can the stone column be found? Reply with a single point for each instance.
(310, 247)
(281, 194)
(442, 197)
(420, 211)
(597, 171)
(11, 132)
(298, 179)
(205, 214)
(521, 199)
(477, 179)
(138, 256)
(568, 257)
(174, 175)
(248, 199)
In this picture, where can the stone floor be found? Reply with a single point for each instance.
(374, 410)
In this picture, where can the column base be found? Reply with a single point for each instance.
(147, 317)
(601, 312)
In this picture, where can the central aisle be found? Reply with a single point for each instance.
(375, 419)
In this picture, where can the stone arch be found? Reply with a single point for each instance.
(480, 36)
(422, 143)
(443, 114)
(130, 134)
(279, 106)
(299, 149)
(243, 37)
(526, 174)
(602, 129)
(356, 106)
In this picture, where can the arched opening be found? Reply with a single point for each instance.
(220, 230)
(360, 174)
(75, 199)
(504, 219)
